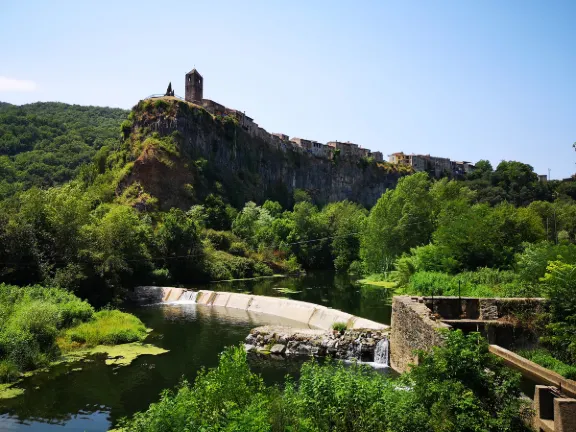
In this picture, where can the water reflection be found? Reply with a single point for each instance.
(95, 397)
(325, 288)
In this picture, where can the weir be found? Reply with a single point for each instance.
(382, 353)
(311, 315)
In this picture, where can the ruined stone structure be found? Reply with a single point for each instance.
(415, 321)
(415, 325)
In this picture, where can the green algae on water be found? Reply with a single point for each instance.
(123, 355)
(9, 392)
(118, 355)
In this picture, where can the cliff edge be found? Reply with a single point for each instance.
(182, 153)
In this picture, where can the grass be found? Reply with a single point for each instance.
(108, 327)
(545, 359)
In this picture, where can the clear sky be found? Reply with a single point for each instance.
(463, 79)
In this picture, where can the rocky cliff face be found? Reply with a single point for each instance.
(212, 153)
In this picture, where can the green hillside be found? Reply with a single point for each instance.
(44, 144)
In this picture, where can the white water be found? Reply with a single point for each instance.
(187, 297)
(381, 353)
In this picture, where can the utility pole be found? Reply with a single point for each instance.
(549, 174)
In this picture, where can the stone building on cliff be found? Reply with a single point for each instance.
(194, 84)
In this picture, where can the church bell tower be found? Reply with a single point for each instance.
(194, 87)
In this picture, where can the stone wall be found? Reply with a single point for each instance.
(277, 341)
(503, 321)
(413, 328)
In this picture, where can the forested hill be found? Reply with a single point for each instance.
(46, 143)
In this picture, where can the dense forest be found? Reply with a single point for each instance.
(44, 144)
(66, 223)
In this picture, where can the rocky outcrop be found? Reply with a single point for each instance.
(358, 344)
(247, 166)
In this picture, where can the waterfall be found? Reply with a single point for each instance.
(187, 297)
(381, 352)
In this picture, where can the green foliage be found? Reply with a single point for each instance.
(301, 195)
(512, 181)
(339, 326)
(480, 236)
(400, 220)
(30, 321)
(532, 262)
(460, 387)
(544, 358)
(219, 216)
(463, 387)
(560, 287)
(44, 144)
(485, 282)
(107, 327)
(221, 240)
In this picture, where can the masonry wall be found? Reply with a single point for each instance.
(412, 329)
(502, 321)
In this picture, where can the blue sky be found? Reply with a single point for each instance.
(462, 79)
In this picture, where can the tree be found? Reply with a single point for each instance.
(345, 220)
(484, 236)
(400, 220)
(179, 242)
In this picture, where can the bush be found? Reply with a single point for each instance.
(22, 349)
(40, 320)
(161, 277)
(8, 371)
(261, 269)
(339, 326)
(221, 240)
(481, 283)
(30, 320)
(109, 327)
(546, 359)
(238, 249)
(459, 387)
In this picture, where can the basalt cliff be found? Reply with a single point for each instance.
(181, 153)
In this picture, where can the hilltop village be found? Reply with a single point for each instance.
(437, 166)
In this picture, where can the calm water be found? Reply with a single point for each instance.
(94, 398)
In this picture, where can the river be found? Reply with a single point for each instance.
(93, 396)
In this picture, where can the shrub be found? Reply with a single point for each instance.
(8, 371)
(22, 349)
(161, 276)
(459, 387)
(109, 327)
(339, 326)
(238, 249)
(221, 240)
(546, 359)
(261, 269)
(357, 268)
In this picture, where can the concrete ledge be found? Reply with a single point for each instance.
(310, 314)
(531, 369)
